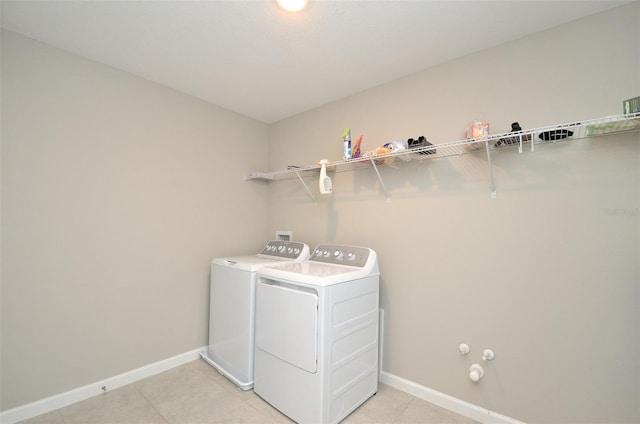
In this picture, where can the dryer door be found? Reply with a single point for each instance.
(287, 323)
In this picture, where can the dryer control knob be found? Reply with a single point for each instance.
(337, 253)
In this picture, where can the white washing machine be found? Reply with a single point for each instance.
(316, 351)
(232, 308)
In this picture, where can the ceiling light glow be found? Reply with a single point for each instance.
(293, 5)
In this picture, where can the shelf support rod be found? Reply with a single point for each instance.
(533, 140)
(520, 144)
(493, 184)
(306, 187)
(384, 188)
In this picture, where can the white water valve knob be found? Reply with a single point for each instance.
(476, 373)
(464, 348)
(488, 355)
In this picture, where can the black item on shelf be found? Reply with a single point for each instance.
(419, 143)
(508, 141)
(555, 135)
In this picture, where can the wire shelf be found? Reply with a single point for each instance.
(543, 135)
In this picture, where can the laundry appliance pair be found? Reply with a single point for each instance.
(314, 336)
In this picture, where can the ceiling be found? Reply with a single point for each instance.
(257, 60)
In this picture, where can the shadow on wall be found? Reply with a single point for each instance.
(444, 174)
(333, 220)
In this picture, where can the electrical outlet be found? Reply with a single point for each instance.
(284, 235)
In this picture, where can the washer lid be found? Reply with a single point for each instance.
(275, 253)
(249, 263)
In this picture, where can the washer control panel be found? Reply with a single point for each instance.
(283, 249)
(339, 254)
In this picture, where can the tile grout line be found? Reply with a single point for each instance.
(135, 386)
(59, 411)
(395, 419)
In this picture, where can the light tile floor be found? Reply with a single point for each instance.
(195, 393)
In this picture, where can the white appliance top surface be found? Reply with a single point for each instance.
(255, 262)
(250, 263)
(316, 271)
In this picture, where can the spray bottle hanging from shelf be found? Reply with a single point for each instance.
(325, 181)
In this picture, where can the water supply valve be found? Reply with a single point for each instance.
(476, 372)
(488, 355)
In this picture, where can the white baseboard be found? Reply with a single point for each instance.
(61, 400)
(445, 401)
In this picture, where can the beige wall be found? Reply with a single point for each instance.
(116, 194)
(545, 274)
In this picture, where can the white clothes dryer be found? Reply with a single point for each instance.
(316, 348)
(232, 308)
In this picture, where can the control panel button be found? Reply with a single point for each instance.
(341, 255)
